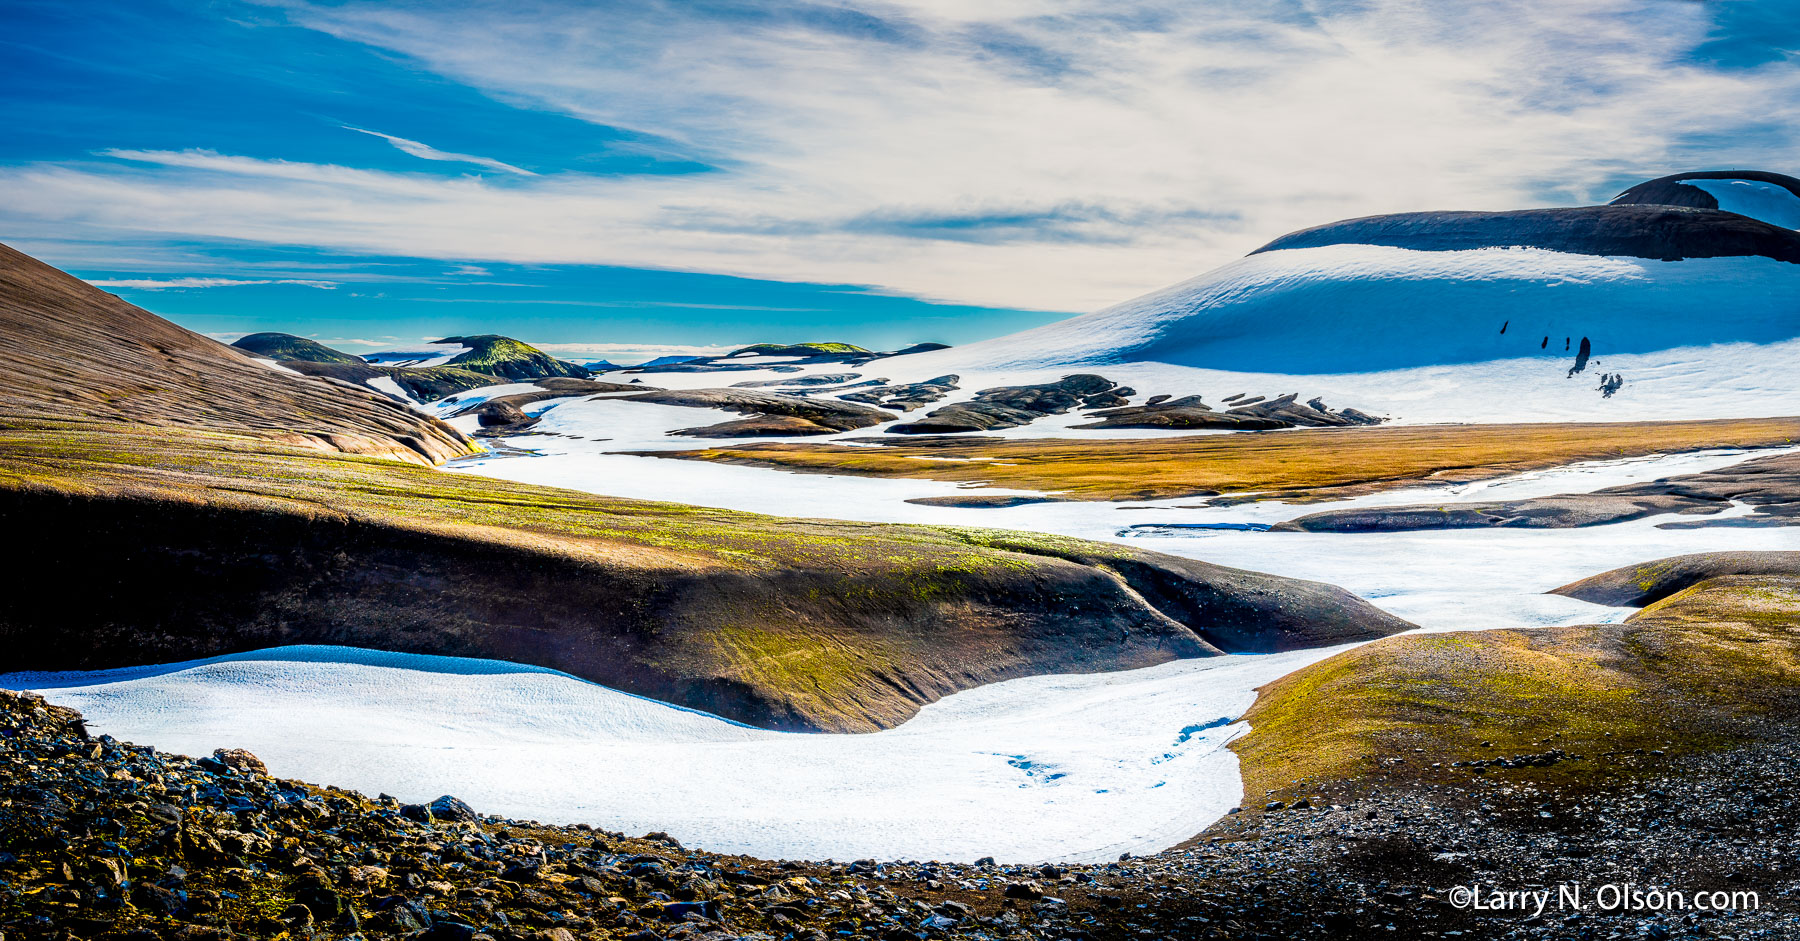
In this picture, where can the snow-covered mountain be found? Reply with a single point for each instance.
(1633, 310)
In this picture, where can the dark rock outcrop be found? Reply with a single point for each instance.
(824, 413)
(1009, 406)
(502, 416)
(818, 379)
(1250, 413)
(1770, 484)
(760, 426)
(549, 389)
(906, 396)
(986, 501)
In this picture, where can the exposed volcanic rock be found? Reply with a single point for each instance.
(1009, 406)
(285, 347)
(1673, 190)
(1639, 585)
(509, 358)
(986, 501)
(76, 353)
(1770, 484)
(760, 426)
(550, 389)
(827, 414)
(821, 379)
(1249, 414)
(809, 354)
(501, 417)
(1668, 233)
(907, 396)
(1181, 417)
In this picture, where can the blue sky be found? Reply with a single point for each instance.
(628, 177)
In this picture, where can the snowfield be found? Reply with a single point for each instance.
(1418, 336)
(1074, 768)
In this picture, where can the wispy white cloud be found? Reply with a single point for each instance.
(428, 152)
(1050, 154)
(171, 284)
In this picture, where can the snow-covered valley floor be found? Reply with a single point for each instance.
(1076, 768)
(1043, 768)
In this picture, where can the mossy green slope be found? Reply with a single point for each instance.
(198, 545)
(1713, 665)
(511, 359)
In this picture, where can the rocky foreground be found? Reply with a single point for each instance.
(103, 839)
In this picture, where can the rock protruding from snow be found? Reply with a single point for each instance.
(773, 413)
(1012, 406)
(1248, 414)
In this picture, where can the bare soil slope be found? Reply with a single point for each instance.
(75, 352)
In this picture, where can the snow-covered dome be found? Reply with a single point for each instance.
(1695, 306)
(1771, 197)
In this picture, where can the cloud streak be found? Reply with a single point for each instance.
(1037, 154)
(428, 152)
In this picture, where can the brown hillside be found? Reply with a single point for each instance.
(75, 352)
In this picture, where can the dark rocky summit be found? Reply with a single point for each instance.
(1770, 484)
(1667, 233)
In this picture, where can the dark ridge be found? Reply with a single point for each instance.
(1666, 233)
(1672, 191)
